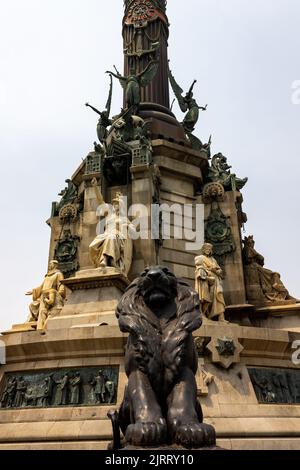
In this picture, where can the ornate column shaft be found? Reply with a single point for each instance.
(145, 35)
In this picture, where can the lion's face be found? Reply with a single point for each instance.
(158, 286)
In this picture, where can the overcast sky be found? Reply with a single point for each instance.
(53, 55)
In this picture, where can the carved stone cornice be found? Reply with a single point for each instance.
(97, 279)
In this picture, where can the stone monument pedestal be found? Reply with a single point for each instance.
(170, 448)
(93, 299)
(21, 327)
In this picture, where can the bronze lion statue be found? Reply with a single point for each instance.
(160, 405)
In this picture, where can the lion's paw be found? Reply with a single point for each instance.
(147, 434)
(195, 435)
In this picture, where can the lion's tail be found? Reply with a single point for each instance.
(114, 417)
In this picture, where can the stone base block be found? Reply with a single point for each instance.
(72, 445)
(169, 448)
(87, 320)
(259, 444)
(94, 296)
(282, 317)
(21, 328)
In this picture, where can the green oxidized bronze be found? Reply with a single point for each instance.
(226, 347)
(128, 127)
(220, 172)
(188, 104)
(104, 121)
(133, 82)
(66, 253)
(93, 163)
(66, 387)
(129, 137)
(69, 205)
(218, 232)
(9, 393)
(276, 385)
(68, 195)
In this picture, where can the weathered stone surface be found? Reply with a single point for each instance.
(230, 405)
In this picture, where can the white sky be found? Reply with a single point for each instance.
(53, 55)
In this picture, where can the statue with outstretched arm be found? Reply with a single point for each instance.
(113, 246)
(133, 82)
(104, 121)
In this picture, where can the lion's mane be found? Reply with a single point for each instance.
(159, 351)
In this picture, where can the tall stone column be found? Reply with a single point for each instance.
(145, 35)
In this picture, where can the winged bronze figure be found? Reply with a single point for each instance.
(104, 121)
(133, 83)
(188, 105)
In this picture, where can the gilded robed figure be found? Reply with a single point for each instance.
(48, 296)
(113, 247)
(209, 284)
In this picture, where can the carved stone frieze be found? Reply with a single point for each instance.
(56, 388)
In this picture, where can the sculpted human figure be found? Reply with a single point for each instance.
(4, 396)
(61, 396)
(134, 81)
(45, 392)
(31, 396)
(209, 284)
(75, 384)
(268, 391)
(104, 121)
(48, 296)
(262, 283)
(20, 392)
(110, 389)
(98, 382)
(188, 105)
(113, 247)
(9, 393)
